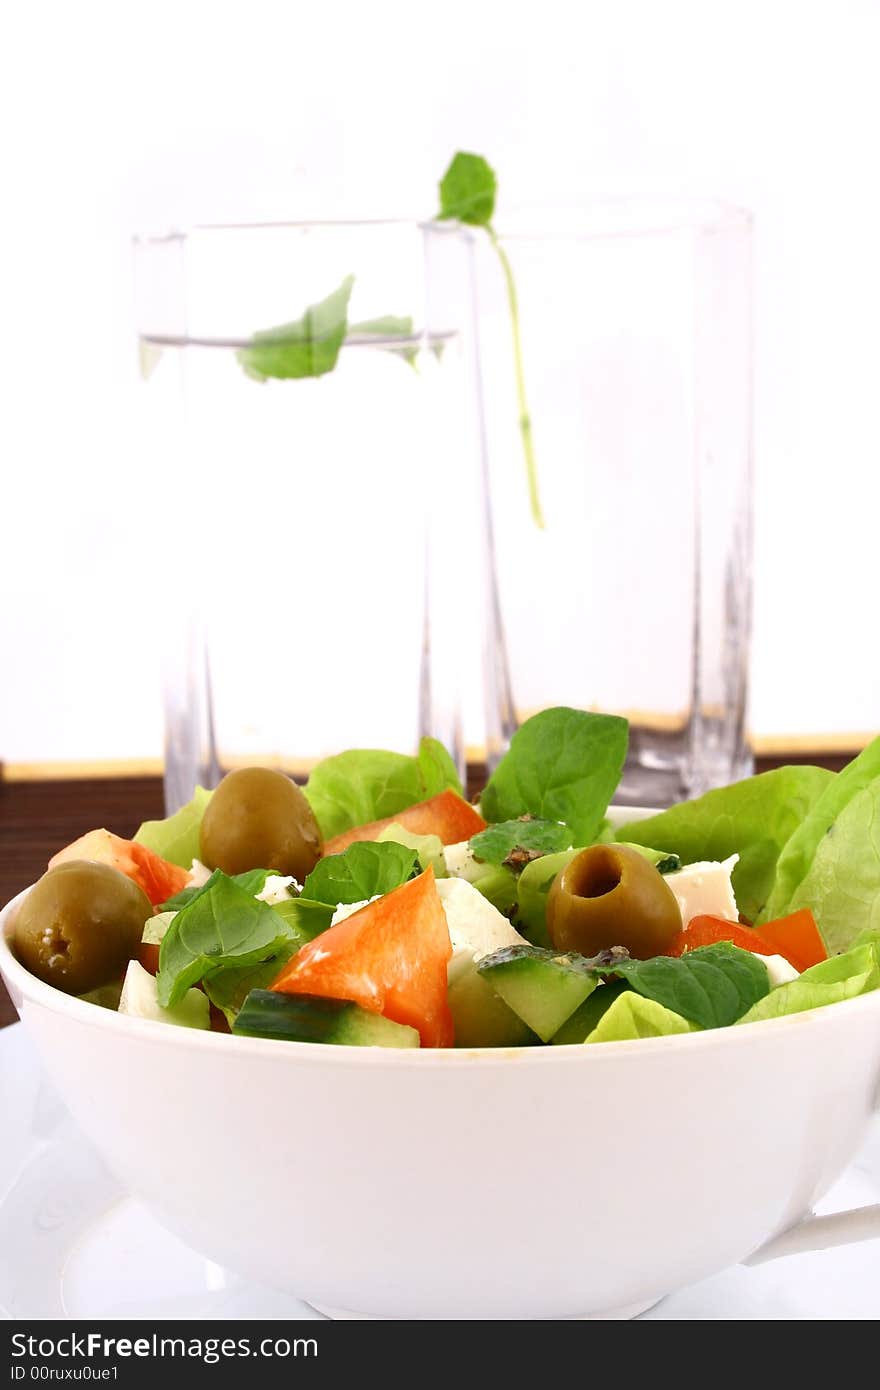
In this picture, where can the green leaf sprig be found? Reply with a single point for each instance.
(467, 194)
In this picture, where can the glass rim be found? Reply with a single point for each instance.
(147, 238)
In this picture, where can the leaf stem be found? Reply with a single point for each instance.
(525, 419)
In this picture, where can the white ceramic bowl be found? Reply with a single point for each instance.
(539, 1182)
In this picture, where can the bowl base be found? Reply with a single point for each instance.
(630, 1310)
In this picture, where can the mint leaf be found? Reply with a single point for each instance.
(535, 837)
(222, 925)
(562, 765)
(799, 851)
(712, 986)
(367, 784)
(305, 917)
(467, 190)
(753, 818)
(309, 346)
(367, 869)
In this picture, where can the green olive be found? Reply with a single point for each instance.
(259, 819)
(80, 925)
(610, 895)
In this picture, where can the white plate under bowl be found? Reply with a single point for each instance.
(73, 1245)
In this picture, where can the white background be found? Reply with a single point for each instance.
(116, 116)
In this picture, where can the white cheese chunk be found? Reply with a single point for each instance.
(780, 970)
(705, 888)
(198, 874)
(476, 928)
(140, 999)
(348, 909)
(460, 861)
(275, 889)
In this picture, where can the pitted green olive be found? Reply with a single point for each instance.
(80, 925)
(609, 895)
(259, 819)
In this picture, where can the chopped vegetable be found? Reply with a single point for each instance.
(177, 837)
(390, 957)
(159, 879)
(446, 815)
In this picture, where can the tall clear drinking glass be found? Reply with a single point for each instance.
(635, 595)
(310, 409)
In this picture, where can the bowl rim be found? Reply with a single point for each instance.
(36, 992)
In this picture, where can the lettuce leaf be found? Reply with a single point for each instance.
(754, 818)
(562, 765)
(631, 1016)
(797, 855)
(177, 837)
(829, 982)
(367, 784)
(429, 848)
(842, 885)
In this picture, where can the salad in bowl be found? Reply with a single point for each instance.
(377, 907)
(410, 1056)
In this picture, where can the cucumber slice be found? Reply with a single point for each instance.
(543, 987)
(481, 1018)
(311, 1018)
(582, 1022)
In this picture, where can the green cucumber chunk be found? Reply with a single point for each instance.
(481, 1018)
(497, 885)
(582, 1022)
(311, 1018)
(542, 987)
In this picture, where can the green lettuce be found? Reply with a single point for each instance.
(842, 884)
(586, 1018)
(798, 854)
(177, 837)
(829, 982)
(562, 765)
(632, 1016)
(429, 848)
(368, 784)
(754, 818)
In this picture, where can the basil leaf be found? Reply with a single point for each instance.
(534, 837)
(222, 925)
(305, 918)
(368, 784)
(563, 765)
(228, 987)
(468, 189)
(176, 838)
(753, 818)
(253, 881)
(366, 869)
(309, 346)
(712, 986)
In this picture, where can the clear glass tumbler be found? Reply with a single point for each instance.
(634, 597)
(309, 414)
